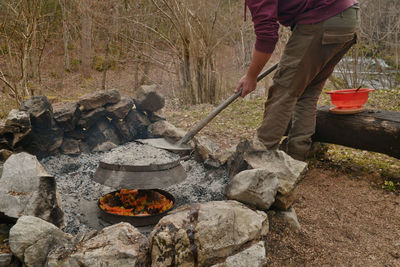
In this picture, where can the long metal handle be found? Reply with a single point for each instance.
(190, 134)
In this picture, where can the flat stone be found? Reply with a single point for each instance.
(148, 98)
(99, 99)
(66, 114)
(120, 109)
(256, 187)
(5, 259)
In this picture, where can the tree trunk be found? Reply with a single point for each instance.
(86, 38)
(377, 131)
(65, 35)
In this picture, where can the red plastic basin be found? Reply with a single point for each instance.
(349, 98)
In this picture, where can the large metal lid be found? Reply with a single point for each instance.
(138, 166)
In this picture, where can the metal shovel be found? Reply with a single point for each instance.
(182, 145)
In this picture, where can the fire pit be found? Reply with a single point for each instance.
(143, 168)
(138, 207)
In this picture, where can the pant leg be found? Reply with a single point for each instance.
(307, 59)
(304, 117)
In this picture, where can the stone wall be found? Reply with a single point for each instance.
(96, 122)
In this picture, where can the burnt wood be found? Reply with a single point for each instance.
(377, 131)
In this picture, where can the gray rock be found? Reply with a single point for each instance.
(199, 234)
(149, 99)
(256, 187)
(290, 219)
(70, 146)
(18, 126)
(90, 118)
(20, 119)
(66, 114)
(117, 245)
(288, 170)
(254, 256)
(99, 99)
(32, 238)
(27, 189)
(41, 142)
(102, 131)
(166, 130)
(120, 109)
(204, 148)
(40, 111)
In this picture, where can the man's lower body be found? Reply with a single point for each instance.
(308, 60)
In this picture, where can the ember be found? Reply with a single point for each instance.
(135, 202)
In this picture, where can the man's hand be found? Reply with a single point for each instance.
(248, 85)
(249, 81)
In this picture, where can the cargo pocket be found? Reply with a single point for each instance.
(330, 38)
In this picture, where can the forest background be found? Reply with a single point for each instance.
(195, 50)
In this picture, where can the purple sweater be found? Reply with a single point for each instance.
(267, 13)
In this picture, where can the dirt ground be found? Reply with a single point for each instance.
(346, 221)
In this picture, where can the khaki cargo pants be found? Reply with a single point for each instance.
(308, 60)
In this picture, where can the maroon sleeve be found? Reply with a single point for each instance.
(265, 16)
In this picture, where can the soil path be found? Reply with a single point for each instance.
(346, 221)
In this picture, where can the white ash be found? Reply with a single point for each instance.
(139, 155)
(74, 176)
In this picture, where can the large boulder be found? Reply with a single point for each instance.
(46, 136)
(99, 99)
(201, 234)
(254, 256)
(117, 245)
(31, 239)
(66, 114)
(27, 189)
(149, 99)
(288, 170)
(256, 187)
